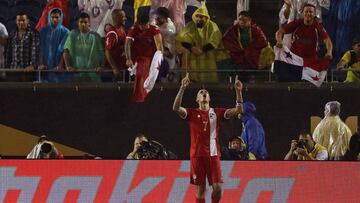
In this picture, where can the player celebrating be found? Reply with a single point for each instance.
(204, 123)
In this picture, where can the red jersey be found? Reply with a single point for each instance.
(115, 43)
(204, 131)
(144, 43)
(305, 37)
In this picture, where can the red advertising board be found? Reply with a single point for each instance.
(168, 181)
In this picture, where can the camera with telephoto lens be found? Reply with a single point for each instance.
(46, 148)
(301, 144)
(153, 150)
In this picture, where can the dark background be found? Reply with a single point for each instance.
(102, 120)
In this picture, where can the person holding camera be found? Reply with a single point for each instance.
(140, 138)
(305, 148)
(44, 149)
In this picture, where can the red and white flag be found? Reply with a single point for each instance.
(154, 71)
(146, 72)
(288, 64)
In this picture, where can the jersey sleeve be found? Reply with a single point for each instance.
(131, 33)
(291, 27)
(322, 32)
(155, 30)
(110, 40)
(220, 112)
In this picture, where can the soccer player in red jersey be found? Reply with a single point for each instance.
(204, 123)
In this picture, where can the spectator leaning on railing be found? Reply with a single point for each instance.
(245, 40)
(84, 49)
(305, 148)
(52, 40)
(22, 50)
(115, 46)
(200, 38)
(351, 60)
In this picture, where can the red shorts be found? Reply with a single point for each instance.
(202, 167)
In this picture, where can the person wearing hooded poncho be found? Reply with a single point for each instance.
(62, 5)
(84, 49)
(332, 132)
(201, 37)
(253, 133)
(52, 40)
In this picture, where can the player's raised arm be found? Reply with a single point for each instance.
(181, 111)
(230, 113)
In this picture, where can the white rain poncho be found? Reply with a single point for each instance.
(332, 132)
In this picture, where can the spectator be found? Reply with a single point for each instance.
(237, 150)
(100, 12)
(306, 149)
(22, 50)
(143, 40)
(199, 39)
(137, 143)
(293, 10)
(51, 4)
(52, 40)
(177, 9)
(253, 133)
(245, 40)
(351, 59)
(168, 32)
(353, 152)
(115, 46)
(332, 132)
(83, 49)
(306, 33)
(3, 39)
(44, 149)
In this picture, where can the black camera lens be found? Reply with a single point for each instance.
(46, 148)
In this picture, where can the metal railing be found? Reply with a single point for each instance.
(332, 77)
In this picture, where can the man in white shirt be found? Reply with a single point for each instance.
(168, 33)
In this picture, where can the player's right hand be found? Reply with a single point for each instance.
(185, 81)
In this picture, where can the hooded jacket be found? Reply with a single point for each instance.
(52, 40)
(253, 132)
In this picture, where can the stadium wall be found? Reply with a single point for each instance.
(101, 120)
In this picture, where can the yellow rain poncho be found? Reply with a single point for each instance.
(199, 37)
(332, 132)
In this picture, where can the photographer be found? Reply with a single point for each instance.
(149, 149)
(137, 143)
(305, 148)
(44, 149)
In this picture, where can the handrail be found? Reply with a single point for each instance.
(39, 72)
(331, 73)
